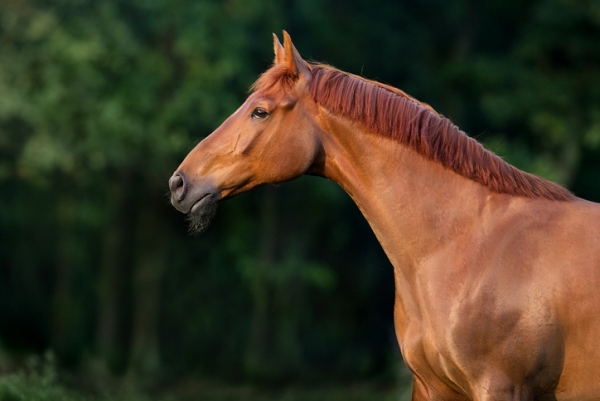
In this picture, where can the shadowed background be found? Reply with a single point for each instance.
(101, 100)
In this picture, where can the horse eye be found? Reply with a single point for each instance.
(259, 113)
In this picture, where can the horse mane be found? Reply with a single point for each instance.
(386, 111)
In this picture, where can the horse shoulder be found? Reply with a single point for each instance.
(499, 290)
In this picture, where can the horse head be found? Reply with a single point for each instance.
(269, 139)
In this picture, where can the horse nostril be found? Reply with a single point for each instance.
(177, 187)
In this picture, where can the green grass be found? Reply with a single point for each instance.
(346, 392)
(39, 381)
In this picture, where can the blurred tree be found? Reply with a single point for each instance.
(100, 100)
(539, 91)
(100, 95)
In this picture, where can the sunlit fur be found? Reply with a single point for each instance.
(387, 111)
(495, 274)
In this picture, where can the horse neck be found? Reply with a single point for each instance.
(415, 206)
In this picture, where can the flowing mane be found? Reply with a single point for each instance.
(389, 112)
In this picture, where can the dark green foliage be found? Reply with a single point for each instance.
(100, 101)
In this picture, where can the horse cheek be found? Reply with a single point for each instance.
(287, 160)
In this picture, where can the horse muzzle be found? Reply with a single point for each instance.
(188, 197)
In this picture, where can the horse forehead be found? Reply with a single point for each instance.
(270, 99)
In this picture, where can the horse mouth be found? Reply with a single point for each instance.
(202, 213)
(200, 203)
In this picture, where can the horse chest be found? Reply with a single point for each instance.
(431, 361)
(461, 344)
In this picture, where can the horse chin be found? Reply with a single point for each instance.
(200, 219)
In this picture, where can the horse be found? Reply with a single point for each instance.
(497, 271)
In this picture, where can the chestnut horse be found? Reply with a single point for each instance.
(497, 272)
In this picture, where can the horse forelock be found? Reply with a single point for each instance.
(389, 112)
(276, 79)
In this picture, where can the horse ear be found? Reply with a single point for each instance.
(294, 62)
(279, 50)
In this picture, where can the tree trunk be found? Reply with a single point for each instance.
(149, 268)
(113, 277)
(257, 355)
(62, 328)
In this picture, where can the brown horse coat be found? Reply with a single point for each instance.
(497, 271)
